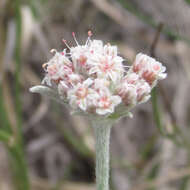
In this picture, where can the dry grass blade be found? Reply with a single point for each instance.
(38, 184)
(40, 112)
(114, 13)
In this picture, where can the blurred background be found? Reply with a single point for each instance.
(43, 147)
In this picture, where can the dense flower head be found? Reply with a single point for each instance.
(149, 69)
(92, 78)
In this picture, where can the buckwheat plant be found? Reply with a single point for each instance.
(92, 81)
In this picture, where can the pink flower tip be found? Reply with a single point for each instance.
(73, 34)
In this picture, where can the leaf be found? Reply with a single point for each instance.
(48, 92)
(119, 115)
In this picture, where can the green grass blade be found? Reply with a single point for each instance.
(156, 112)
(18, 65)
(4, 136)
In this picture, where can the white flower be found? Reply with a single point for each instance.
(68, 82)
(78, 96)
(62, 89)
(96, 47)
(131, 78)
(56, 68)
(101, 83)
(149, 69)
(143, 91)
(110, 50)
(128, 93)
(106, 102)
(107, 67)
(79, 55)
(133, 90)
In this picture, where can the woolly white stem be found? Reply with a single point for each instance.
(102, 137)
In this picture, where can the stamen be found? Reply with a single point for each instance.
(65, 42)
(66, 53)
(53, 51)
(126, 66)
(74, 37)
(89, 35)
(44, 66)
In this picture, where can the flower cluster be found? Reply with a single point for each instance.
(93, 79)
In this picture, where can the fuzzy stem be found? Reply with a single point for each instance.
(102, 138)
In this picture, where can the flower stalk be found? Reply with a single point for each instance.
(102, 140)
